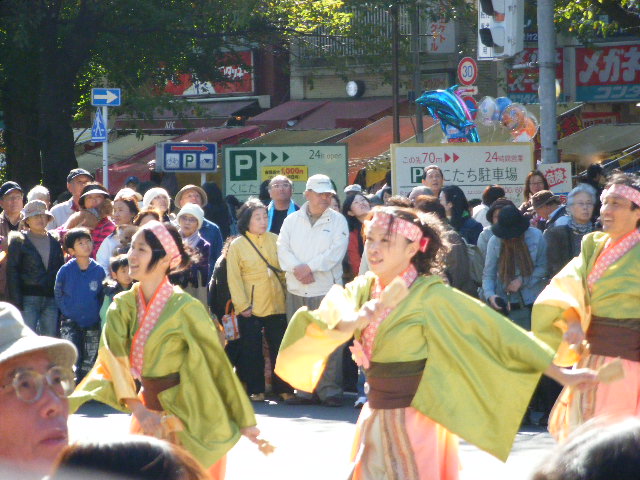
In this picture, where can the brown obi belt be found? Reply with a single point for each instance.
(393, 385)
(615, 337)
(152, 387)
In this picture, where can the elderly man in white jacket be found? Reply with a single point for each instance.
(311, 246)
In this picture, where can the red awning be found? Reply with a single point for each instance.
(285, 115)
(375, 140)
(137, 164)
(354, 114)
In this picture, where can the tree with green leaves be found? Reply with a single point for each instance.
(55, 51)
(590, 19)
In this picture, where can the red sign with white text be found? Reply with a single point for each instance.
(608, 74)
(522, 85)
(239, 80)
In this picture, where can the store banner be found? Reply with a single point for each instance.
(522, 84)
(558, 177)
(608, 74)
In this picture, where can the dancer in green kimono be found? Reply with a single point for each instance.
(164, 338)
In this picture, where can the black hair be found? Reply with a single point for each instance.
(352, 222)
(245, 213)
(491, 194)
(431, 261)
(430, 204)
(598, 450)
(233, 201)
(75, 234)
(119, 261)
(143, 213)
(158, 252)
(132, 457)
(337, 199)
(460, 207)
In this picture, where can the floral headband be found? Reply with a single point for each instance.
(624, 191)
(166, 240)
(400, 226)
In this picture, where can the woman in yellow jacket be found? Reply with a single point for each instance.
(256, 284)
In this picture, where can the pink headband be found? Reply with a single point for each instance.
(624, 191)
(166, 240)
(400, 226)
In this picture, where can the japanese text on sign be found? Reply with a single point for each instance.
(609, 73)
(522, 85)
(558, 176)
(296, 173)
(472, 167)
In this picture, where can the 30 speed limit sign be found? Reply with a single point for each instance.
(467, 71)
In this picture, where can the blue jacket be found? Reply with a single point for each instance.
(79, 292)
(531, 285)
(211, 233)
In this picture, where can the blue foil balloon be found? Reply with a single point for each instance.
(445, 106)
(502, 103)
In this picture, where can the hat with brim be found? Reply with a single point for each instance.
(9, 187)
(320, 184)
(76, 172)
(193, 210)
(33, 208)
(497, 205)
(92, 189)
(542, 198)
(511, 223)
(203, 194)
(17, 339)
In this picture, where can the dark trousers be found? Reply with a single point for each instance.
(246, 352)
(86, 340)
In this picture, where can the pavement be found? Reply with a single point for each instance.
(314, 442)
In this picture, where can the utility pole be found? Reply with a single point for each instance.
(395, 70)
(417, 88)
(547, 75)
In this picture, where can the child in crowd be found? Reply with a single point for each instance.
(78, 292)
(120, 281)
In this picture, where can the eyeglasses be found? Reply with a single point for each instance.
(583, 204)
(280, 186)
(536, 183)
(29, 384)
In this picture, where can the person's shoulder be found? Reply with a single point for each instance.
(271, 237)
(533, 232)
(61, 206)
(208, 224)
(16, 237)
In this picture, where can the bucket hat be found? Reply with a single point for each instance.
(200, 191)
(33, 208)
(511, 223)
(543, 197)
(17, 339)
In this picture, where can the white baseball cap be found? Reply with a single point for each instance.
(320, 184)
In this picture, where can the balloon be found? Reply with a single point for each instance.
(514, 116)
(446, 106)
(487, 111)
(502, 103)
(528, 129)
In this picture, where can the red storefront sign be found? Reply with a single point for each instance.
(239, 80)
(608, 74)
(522, 84)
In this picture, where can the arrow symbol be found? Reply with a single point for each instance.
(274, 157)
(285, 157)
(109, 96)
(455, 158)
(446, 157)
(188, 148)
(263, 157)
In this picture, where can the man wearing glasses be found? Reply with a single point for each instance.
(36, 377)
(281, 205)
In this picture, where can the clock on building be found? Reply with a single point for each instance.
(355, 88)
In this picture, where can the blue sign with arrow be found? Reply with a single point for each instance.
(187, 157)
(99, 129)
(106, 97)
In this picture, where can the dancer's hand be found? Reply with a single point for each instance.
(150, 422)
(367, 313)
(580, 378)
(252, 433)
(574, 334)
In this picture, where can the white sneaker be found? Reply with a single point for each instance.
(360, 402)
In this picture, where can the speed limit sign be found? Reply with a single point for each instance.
(467, 71)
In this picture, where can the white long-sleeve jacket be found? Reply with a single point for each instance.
(322, 247)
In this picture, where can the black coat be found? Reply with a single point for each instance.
(26, 273)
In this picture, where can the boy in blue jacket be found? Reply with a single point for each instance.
(78, 292)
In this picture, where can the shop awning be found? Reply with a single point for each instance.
(202, 114)
(136, 162)
(597, 142)
(286, 114)
(354, 114)
(301, 137)
(373, 141)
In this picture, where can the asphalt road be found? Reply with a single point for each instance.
(314, 442)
